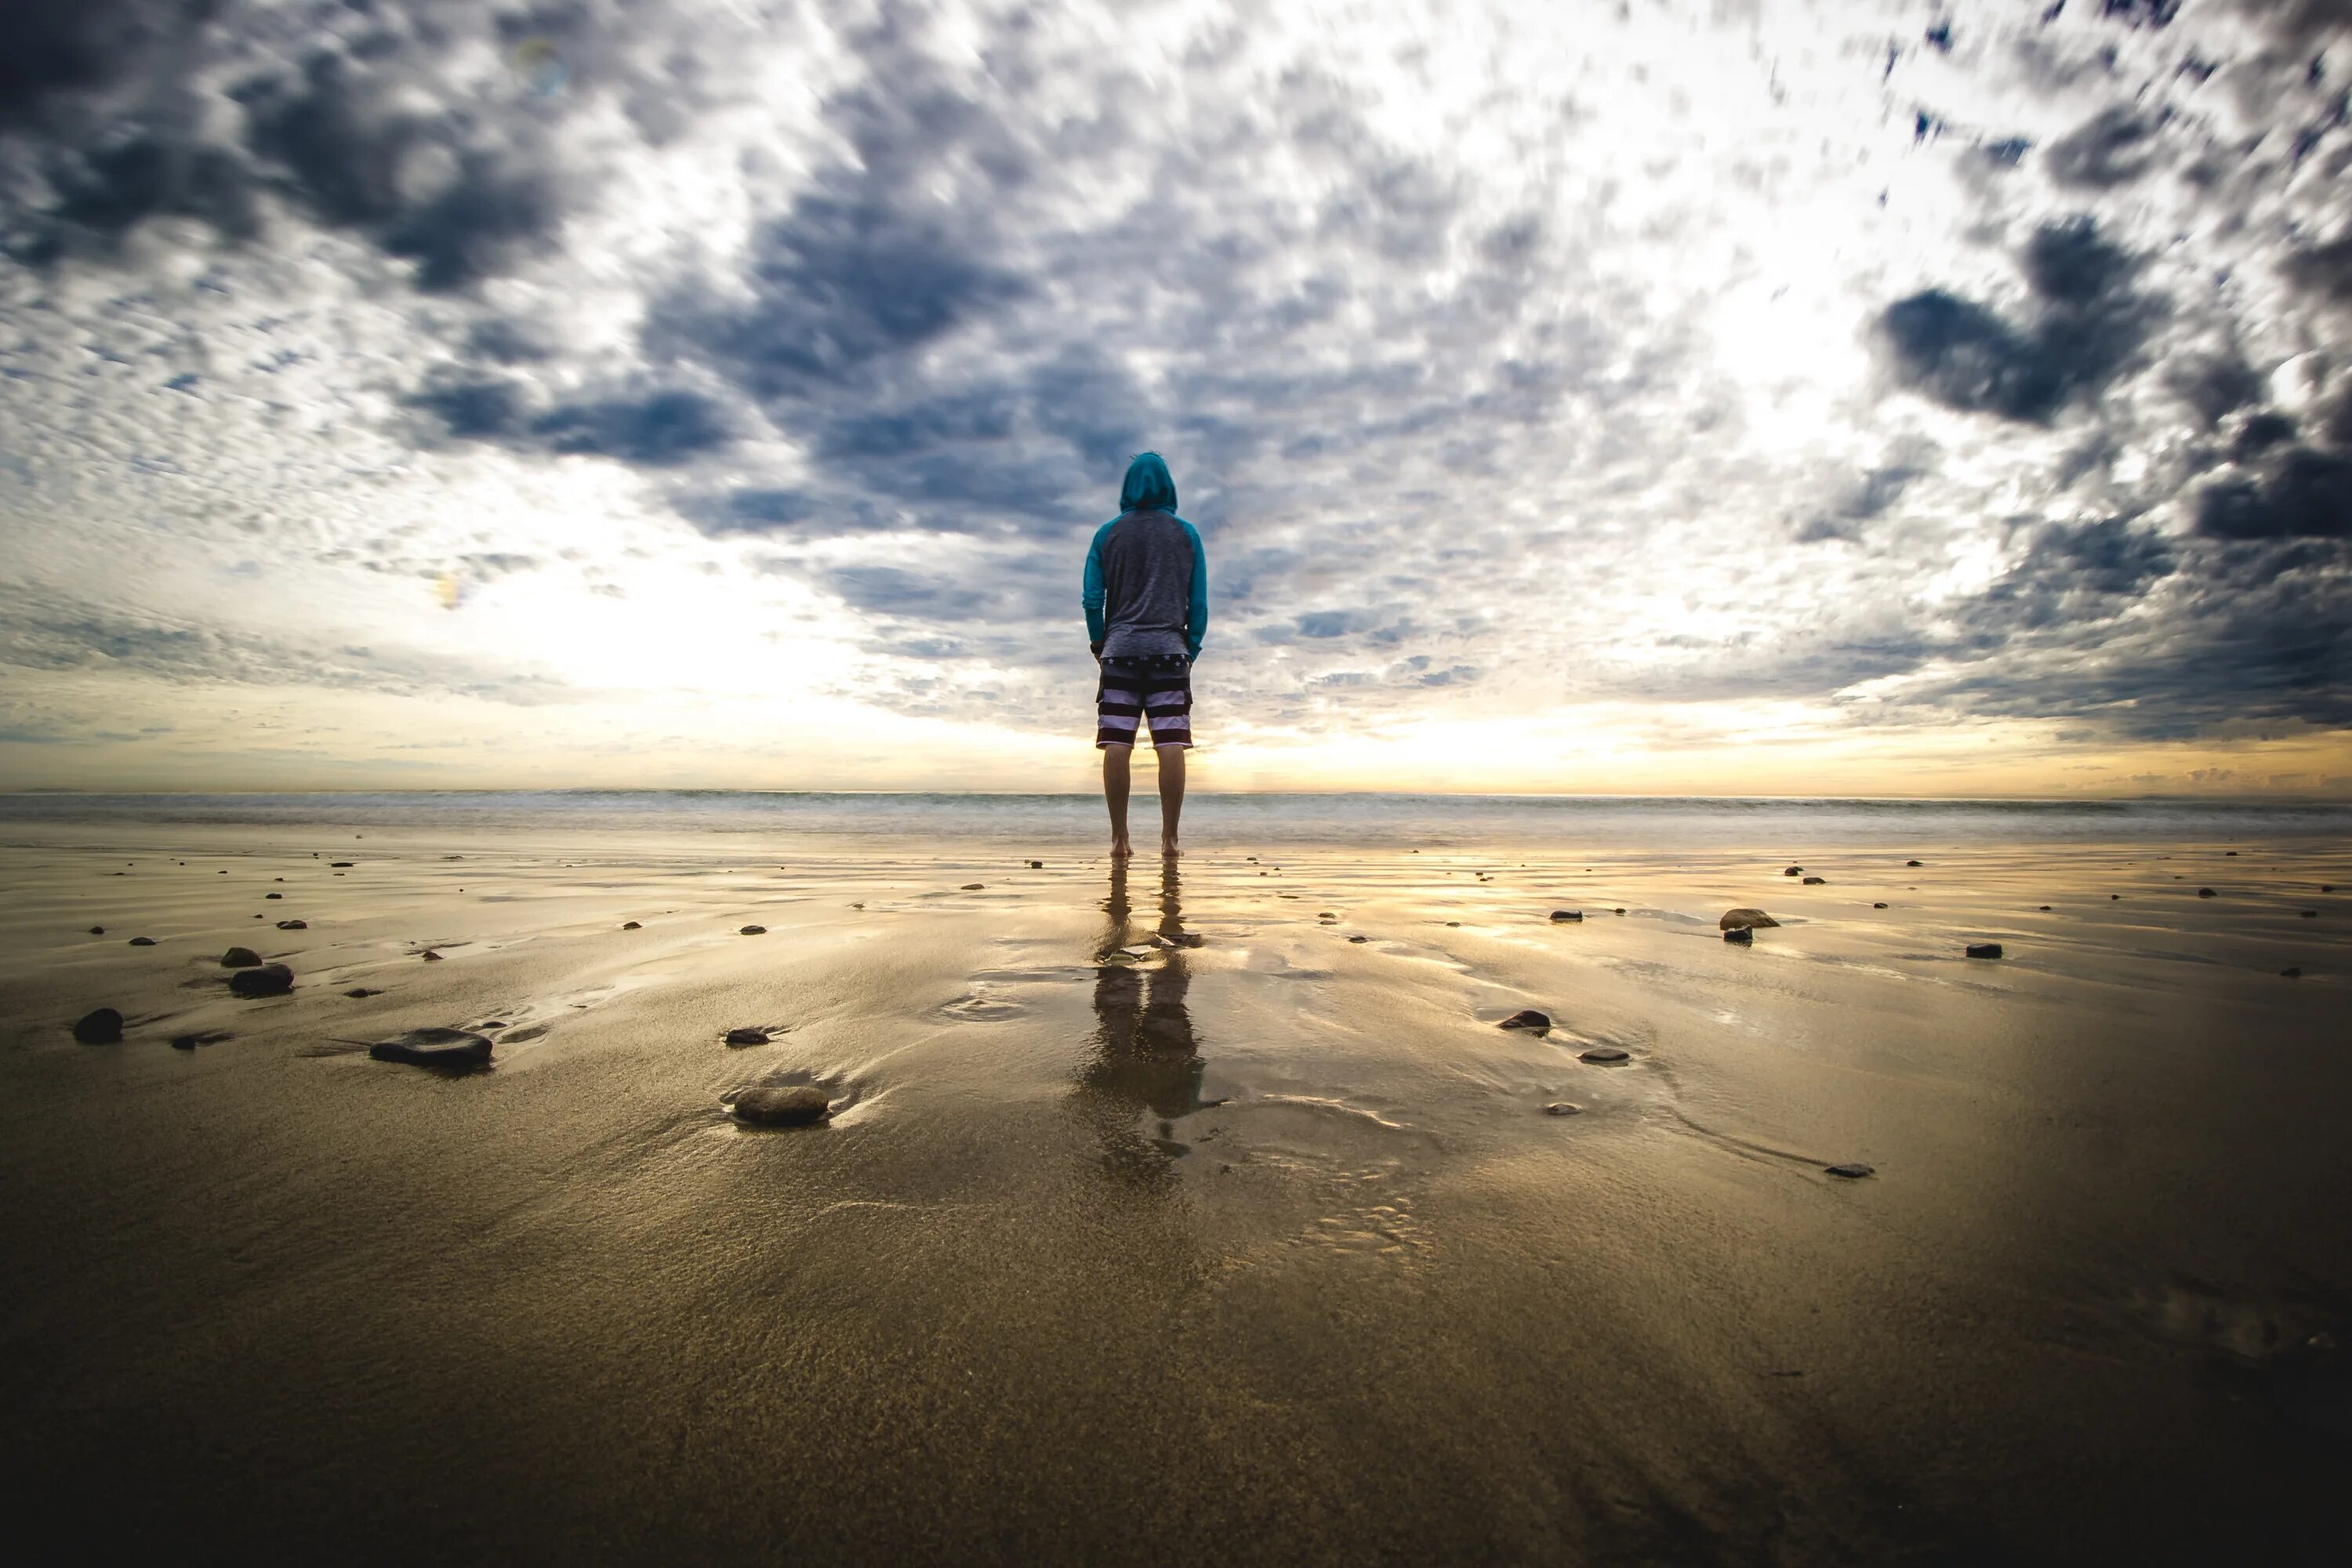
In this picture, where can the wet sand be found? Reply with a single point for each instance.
(1264, 1250)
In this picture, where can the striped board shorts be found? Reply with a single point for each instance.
(1157, 690)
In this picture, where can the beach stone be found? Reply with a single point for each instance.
(1878, 906)
(1794, 871)
(361, 991)
(753, 930)
(142, 941)
(269, 979)
(1984, 950)
(2290, 973)
(1036, 865)
(797, 1106)
(240, 958)
(746, 1037)
(1359, 939)
(1742, 936)
(1733, 918)
(184, 1042)
(1853, 1172)
(273, 895)
(1815, 881)
(2046, 909)
(293, 925)
(631, 925)
(974, 887)
(1600, 1054)
(1453, 922)
(339, 865)
(434, 1049)
(1568, 914)
(98, 930)
(1915, 862)
(2311, 914)
(1526, 1019)
(2206, 893)
(429, 956)
(101, 1027)
(1618, 911)
(1563, 1108)
(2232, 853)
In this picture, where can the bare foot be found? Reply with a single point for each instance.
(1120, 849)
(1168, 851)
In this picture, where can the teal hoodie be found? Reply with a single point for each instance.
(1149, 573)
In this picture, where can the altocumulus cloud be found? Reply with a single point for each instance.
(1913, 363)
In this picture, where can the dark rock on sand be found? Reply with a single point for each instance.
(1568, 914)
(273, 895)
(1526, 1019)
(1563, 1108)
(1453, 922)
(974, 887)
(1742, 935)
(632, 925)
(2290, 973)
(1794, 871)
(293, 925)
(269, 979)
(1600, 1054)
(102, 1028)
(2206, 893)
(361, 991)
(1036, 865)
(1878, 906)
(98, 930)
(142, 941)
(429, 956)
(746, 1037)
(1852, 1172)
(2311, 914)
(339, 865)
(1915, 862)
(1617, 911)
(798, 1106)
(1735, 919)
(204, 1038)
(2044, 907)
(1984, 950)
(434, 1049)
(753, 930)
(1815, 881)
(1359, 939)
(240, 958)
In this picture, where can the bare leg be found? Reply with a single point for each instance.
(1115, 779)
(1172, 796)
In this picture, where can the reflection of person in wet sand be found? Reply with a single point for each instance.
(1146, 1057)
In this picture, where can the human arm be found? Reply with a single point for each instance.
(1196, 618)
(1090, 592)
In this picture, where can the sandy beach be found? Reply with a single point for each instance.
(1199, 1213)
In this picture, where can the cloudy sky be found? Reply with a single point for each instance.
(1741, 398)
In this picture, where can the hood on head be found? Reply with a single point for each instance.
(1147, 486)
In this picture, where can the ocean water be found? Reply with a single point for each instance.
(1385, 821)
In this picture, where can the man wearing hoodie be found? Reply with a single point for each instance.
(1146, 594)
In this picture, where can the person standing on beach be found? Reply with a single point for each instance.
(1146, 593)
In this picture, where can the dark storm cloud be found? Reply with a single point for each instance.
(2088, 325)
(2325, 268)
(55, 48)
(2300, 493)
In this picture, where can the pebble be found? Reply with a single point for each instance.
(273, 895)
(632, 925)
(240, 958)
(339, 865)
(1984, 950)
(2206, 893)
(1600, 1054)
(1359, 939)
(1815, 881)
(1744, 916)
(797, 1106)
(753, 930)
(293, 925)
(269, 979)
(1915, 862)
(1853, 1171)
(1741, 935)
(1526, 1019)
(1878, 906)
(746, 1037)
(142, 941)
(1794, 871)
(434, 1049)
(361, 991)
(429, 956)
(2046, 909)
(1619, 912)
(98, 930)
(1563, 1108)
(1036, 865)
(2311, 914)
(1568, 914)
(974, 887)
(2290, 973)
(102, 1028)
(1453, 922)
